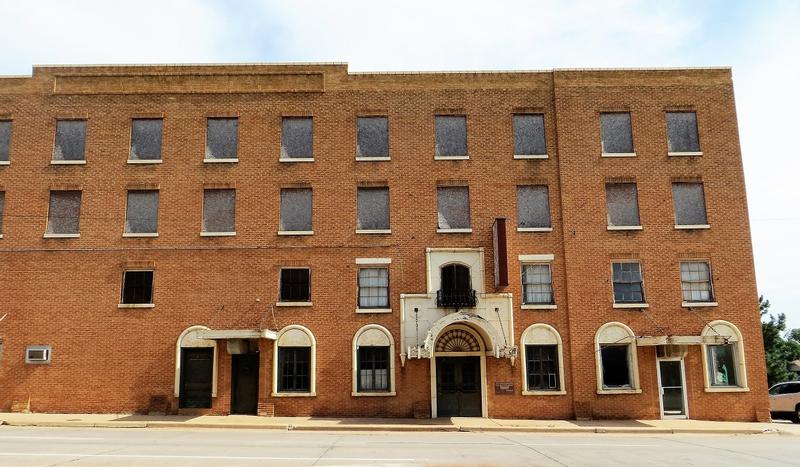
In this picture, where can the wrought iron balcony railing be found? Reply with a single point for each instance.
(456, 298)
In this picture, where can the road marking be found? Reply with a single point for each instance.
(246, 458)
(70, 438)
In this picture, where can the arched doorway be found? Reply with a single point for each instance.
(458, 373)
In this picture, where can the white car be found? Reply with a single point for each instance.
(784, 401)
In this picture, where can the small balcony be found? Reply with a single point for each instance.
(457, 298)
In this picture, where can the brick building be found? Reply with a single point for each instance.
(300, 240)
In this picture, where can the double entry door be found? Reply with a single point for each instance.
(458, 386)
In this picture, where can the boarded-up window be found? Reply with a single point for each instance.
(373, 288)
(64, 215)
(451, 135)
(2, 209)
(682, 132)
(146, 139)
(453, 207)
(70, 140)
(690, 203)
(222, 136)
(529, 138)
(623, 205)
(373, 208)
(373, 137)
(219, 210)
(295, 285)
(5, 140)
(296, 210)
(616, 132)
(297, 135)
(141, 215)
(533, 207)
(137, 287)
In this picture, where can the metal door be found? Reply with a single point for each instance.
(458, 386)
(197, 367)
(244, 383)
(672, 385)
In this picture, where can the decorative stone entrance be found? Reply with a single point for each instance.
(458, 374)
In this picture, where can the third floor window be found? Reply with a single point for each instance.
(146, 135)
(222, 138)
(682, 132)
(70, 143)
(373, 209)
(529, 137)
(373, 137)
(453, 207)
(297, 138)
(451, 136)
(617, 136)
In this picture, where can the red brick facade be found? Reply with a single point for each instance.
(64, 292)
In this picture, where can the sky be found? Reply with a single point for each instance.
(759, 39)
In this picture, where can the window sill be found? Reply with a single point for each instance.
(544, 393)
(217, 234)
(5, 162)
(535, 306)
(450, 158)
(66, 235)
(136, 305)
(685, 154)
(727, 389)
(619, 391)
(220, 161)
(140, 235)
(531, 156)
(692, 227)
(631, 305)
(373, 159)
(373, 310)
(534, 229)
(295, 232)
(623, 227)
(617, 154)
(1, 235)
(294, 394)
(289, 304)
(296, 159)
(536, 258)
(145, 161)
(374, 232)
(373, 394)
(453, 231)
(699, 304)
(68, 162)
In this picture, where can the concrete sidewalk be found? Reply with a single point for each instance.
(394, 424)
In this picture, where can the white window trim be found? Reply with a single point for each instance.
(289, 233)
(145, 161)
(633, 362)
(631, 305)
(624, 227)
(536, 258)
(741, 367)
(376, 261)
(685, 154)
(692, 226)
(217, 234)
(64, 235)
(531, 156)
(139, 234)
(451, 158)
(152, 289)
(212, 344)
(538, 306)
(45, 348)
(8, 162)
(296, 159)
(279, 303)
(136, 305)
(617, 154)
(373, 158)
(374, 232)
(454, 231)
(312, 370)
(391, 392)
(68, 162)
(699, 304)
(560, 353)
(208, 160)
(373, 310)
(534, 229)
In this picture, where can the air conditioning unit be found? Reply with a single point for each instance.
(671, 351)
(37, 354)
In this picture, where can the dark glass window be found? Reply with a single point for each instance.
(373, 137)
(542, 366)
(456, 278)
(137, 287)
(628, 287)
(70, 140)
(373, 369)
(616, 373)
(294, 369)
(295, 285)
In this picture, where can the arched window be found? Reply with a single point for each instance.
(543, 361)
(723, 362)
(295, 368)
(195, 369)
(615, 354)
(456, 287)
(373, 362)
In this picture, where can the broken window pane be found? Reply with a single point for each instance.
(137, 287)
(5, 140)
(297, 138)
(141, 215)
(616, 132)
(296, 209)
(219, 210)
(65, 212)
(696, 281)
(222, 138)
(373, 288)
(2, 209)
(295, 285)
(146, 139)
(616, 372)
(542, 367)
(373, 208)
(682, 132)
(70, 140)
(622, 204)
(533, 207)
(627, 279)
(451, 135)
(373, 137)
(690, 204)
(529, 137)
(453, 207)
(537, 285)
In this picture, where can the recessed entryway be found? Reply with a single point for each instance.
(244, 383)
(672, 388)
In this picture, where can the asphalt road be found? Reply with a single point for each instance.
(190, 447)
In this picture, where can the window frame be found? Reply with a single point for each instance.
(527, 260)
(527, 339)
(738, 358)
(293, 303)
(377, 309)
(696, 129)
(678, 226)
(160, 159)
(287, 158)
(450, 157)
(698, 304)
(151, 304)
(454, 230)
(514, 136)
(629, 339)
(626, 304)
(221, 160)
(609, 225)
(388, 211)
(125, 233)
(10, 122)
(77, 234)
(53, 160)
(364, 331)
(603, 152)
(289, 233)
(309, 336)
(549, 210)
(388, 156)
(213, 233)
